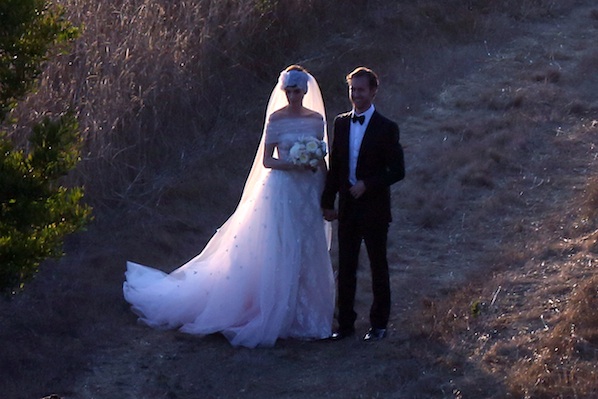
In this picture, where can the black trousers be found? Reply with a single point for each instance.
(353, 229)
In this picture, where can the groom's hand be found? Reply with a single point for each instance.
(329, 214)
(358, 189)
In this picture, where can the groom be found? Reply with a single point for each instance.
(365, 159)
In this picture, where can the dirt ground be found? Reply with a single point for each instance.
(489, 243)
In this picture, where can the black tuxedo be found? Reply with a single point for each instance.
(380, 164)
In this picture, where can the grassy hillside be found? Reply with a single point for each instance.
(157, 85)
(494, 241)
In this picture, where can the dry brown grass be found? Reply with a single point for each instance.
(519, 315)
(533, 317)
(541, 339)
(150, 81)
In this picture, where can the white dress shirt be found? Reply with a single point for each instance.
(356, 132)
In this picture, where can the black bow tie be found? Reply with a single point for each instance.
(360, 119)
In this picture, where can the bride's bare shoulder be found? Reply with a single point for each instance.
(312, 114)
(284, 113)
(279, 114)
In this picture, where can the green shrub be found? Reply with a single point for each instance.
(36, 211)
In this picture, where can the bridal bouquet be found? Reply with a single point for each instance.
(308, 151)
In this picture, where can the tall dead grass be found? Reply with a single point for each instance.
(149, 81)
(153, 82)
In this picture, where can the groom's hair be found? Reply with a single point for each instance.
(365, 72)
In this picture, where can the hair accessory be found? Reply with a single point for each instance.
(294, 78)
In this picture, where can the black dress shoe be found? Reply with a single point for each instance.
(374, 334)
(342, 334)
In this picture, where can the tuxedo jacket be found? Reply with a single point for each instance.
(380, 164)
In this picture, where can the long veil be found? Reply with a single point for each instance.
(278, 99)
(312, 100)
(196, 296)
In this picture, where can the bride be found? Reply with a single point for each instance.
(266, 273)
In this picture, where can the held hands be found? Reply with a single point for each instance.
(329, 214)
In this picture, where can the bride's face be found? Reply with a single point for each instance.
(294, 95)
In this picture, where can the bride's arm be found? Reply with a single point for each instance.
(275, 163)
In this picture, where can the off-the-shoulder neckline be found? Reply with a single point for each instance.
(276, 118)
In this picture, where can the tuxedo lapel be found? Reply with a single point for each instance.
(368, 136)
(345, 133)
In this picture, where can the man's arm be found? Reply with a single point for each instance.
(394, 161)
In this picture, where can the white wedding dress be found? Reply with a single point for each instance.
(265, 274)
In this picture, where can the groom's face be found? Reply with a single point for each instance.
(360, 93)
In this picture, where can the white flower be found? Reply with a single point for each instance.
(311, 146)
(307, 151)
(296, 151)
(304, 159)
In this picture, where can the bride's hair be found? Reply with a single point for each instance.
(295, 67)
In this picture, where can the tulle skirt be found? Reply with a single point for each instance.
(265, 274)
